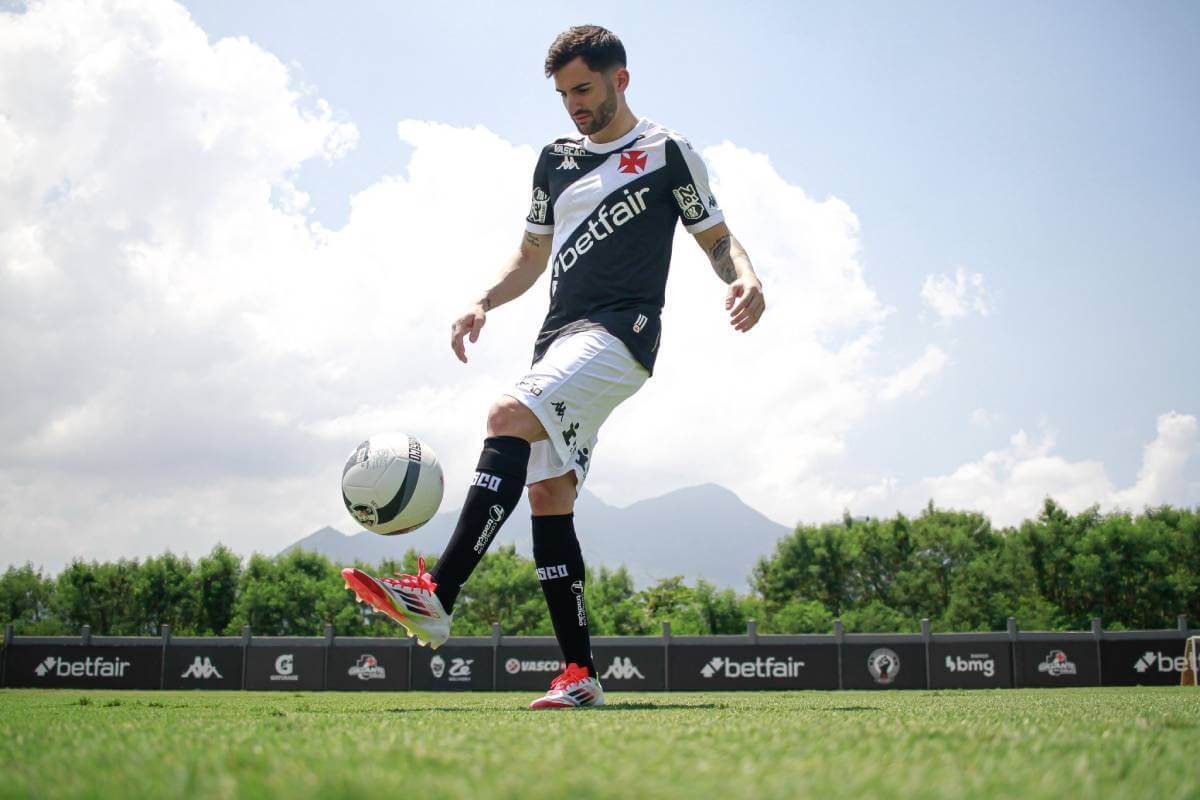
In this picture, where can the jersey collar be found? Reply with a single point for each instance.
(617, 144)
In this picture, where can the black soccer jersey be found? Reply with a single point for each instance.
(612, 209)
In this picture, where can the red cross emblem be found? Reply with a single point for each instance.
(633, 161)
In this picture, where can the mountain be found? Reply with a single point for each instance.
(702, 531)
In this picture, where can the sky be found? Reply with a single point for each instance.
(233, 237)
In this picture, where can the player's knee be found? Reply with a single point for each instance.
(508, 417)
(553, 496)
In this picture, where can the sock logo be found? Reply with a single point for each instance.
(580, 611)
(487, 481)
(495, 517)
(550, 573)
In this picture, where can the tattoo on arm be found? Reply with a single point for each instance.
(486, 302)
(532, 240)
(721, 261)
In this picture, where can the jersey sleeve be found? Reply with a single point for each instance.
(541, 210)
(698, 209)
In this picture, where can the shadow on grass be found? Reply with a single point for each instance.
(851, 708)
(518, 710)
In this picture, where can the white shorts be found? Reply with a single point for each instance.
(572, 390)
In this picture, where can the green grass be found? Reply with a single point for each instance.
(1142, 742)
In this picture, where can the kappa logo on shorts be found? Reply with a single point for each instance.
(569, 433)
(560, 408)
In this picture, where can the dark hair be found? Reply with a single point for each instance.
(599, 47)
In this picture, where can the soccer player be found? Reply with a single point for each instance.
(603, 215)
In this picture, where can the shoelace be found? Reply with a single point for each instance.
(422, 580)
(572, 674)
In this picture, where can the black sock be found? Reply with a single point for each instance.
(560, 570)
(499, 481)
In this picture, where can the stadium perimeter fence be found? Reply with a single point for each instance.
(840, 660)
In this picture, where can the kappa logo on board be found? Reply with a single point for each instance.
(622, 669)
(201, 669)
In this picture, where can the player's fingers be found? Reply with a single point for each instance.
(750, 317)
(747, 298)
(734, 292)
(476, 327)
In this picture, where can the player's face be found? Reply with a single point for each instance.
(591, 98)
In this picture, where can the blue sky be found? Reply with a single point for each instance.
(237, 232)
(1050, 147)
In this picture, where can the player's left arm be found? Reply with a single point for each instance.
(744, 300)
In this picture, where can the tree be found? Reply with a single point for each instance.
(215, 587)
(25, 601)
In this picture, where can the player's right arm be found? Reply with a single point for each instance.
(518, 275)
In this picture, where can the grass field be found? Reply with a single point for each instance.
(1141, 742)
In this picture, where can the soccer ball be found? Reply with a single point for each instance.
(392, 483)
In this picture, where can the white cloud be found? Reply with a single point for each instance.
(916, 374)
(982, 418)
(1010, 484)
(188, 358)
(952, 297)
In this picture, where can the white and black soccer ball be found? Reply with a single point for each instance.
(392, 483)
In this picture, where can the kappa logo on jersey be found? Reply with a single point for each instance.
(582, 458)
(550, 573)
(622, 669)
(495, 517)
(568, 162)
(539, 206)
(633, 162)
(487, 481)
(639, 323)
(201, 669)
(689, 201)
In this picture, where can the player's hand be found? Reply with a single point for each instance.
(745, 303)
(468, 325)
